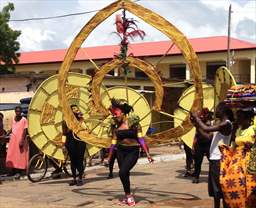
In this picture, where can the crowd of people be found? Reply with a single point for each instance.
(127, 140)
(17, 156)
(231, 167)
(228, 142)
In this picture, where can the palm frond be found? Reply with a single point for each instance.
(135, 33)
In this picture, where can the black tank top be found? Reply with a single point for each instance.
(126, 133)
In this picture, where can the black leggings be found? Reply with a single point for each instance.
(201, 150)
(189, 157)
(76, 150)
(112, 162)
(127, 157)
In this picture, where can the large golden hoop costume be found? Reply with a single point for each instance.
(162, 25)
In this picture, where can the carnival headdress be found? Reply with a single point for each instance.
(120, 104)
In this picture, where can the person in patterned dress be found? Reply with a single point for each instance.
(237, 179)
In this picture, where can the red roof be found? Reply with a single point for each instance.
(200, 45)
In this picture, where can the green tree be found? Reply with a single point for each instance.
(9, 45)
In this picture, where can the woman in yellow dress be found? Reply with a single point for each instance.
(237, 183)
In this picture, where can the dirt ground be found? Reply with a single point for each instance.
(157, 185)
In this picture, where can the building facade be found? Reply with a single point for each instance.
(34, 67)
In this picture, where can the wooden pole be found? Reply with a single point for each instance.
(228, 44)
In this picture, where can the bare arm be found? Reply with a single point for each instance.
(205, 135)
(143, 144)
(224, 127)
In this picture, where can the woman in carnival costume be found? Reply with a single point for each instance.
(126, 138)
(222, 135)
(238, 169)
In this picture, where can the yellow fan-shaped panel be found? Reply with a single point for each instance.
(223, 81)
(45, 113)
(185, 103)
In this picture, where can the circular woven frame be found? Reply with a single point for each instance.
(159, 23)
(146, 67)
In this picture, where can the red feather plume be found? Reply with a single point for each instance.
(119, 24)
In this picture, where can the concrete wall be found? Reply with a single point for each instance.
(241, 71)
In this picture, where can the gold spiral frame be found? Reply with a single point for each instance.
(159, 23)
(147, 68)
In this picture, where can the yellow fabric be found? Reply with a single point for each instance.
(245, 136)
(140, 134)
(113, 141)
(92, 150)
(63, 139)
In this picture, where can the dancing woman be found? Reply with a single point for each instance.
(127, 138)
(222, 135)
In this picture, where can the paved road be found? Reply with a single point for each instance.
(155, 185)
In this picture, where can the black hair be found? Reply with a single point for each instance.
(73, 105)
(122, 105)
(246, 113)
(224, 109)
(18, 107)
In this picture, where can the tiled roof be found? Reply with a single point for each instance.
(200, 45)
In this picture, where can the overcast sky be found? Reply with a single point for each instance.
(195, 18)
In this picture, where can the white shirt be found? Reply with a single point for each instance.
(218, 139)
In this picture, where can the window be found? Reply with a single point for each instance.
(178, 71)
(112, 72)
(140, 74)
(211, 69)
(90, 72)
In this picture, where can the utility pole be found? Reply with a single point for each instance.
(228, 46)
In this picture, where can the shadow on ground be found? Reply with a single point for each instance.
(182, 203)
(203, 176)
(143, 195)
(102, 177)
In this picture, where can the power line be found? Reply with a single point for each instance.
(53, 17)
(56, 17)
